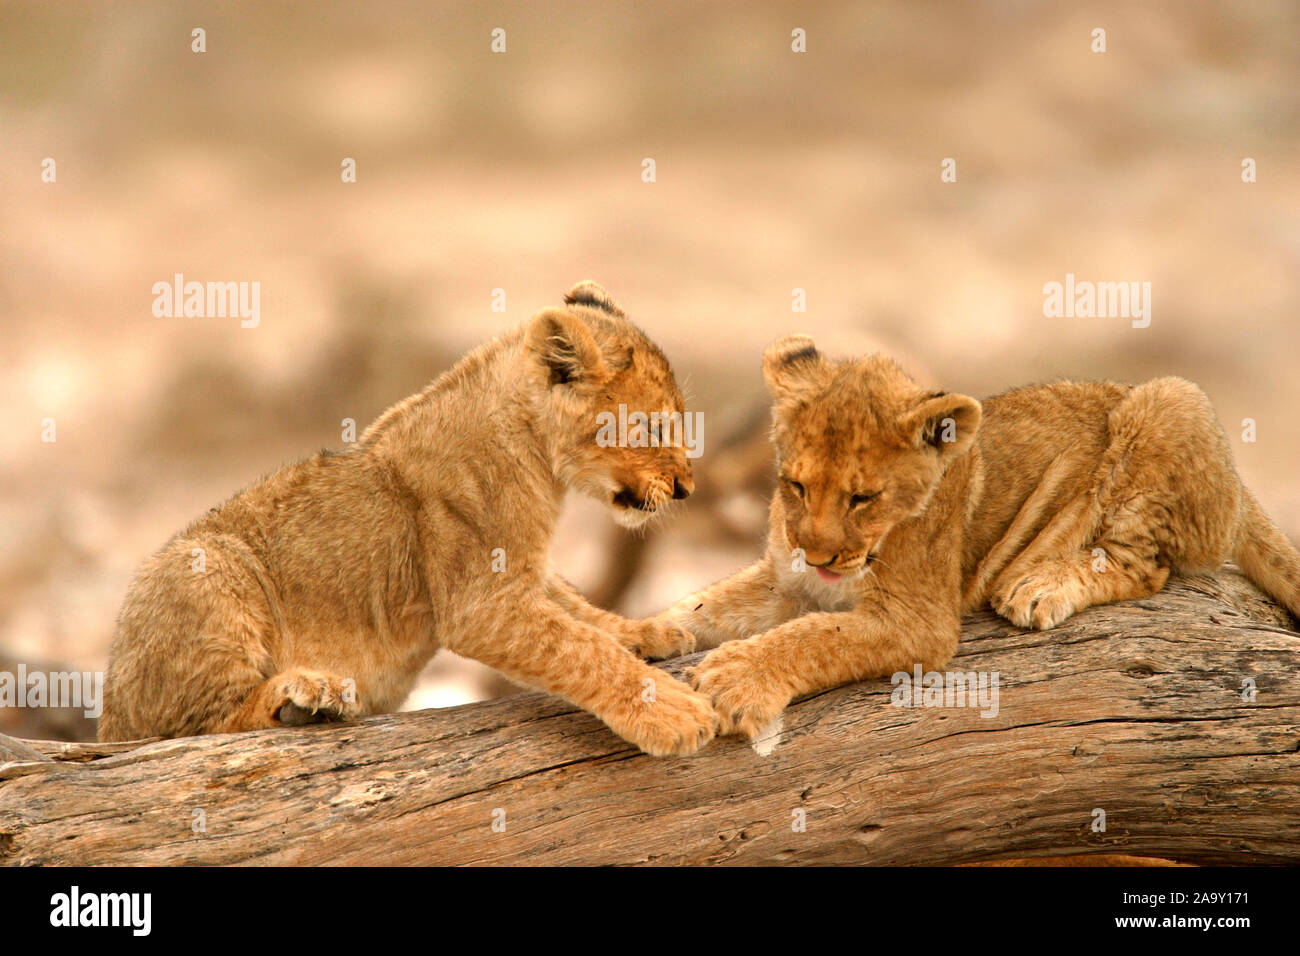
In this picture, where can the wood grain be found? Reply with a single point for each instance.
(1135, 709)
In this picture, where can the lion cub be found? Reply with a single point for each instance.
(899, 510)
(321, 591)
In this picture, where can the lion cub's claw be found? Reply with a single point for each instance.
(666, 720)
(310, 697)
(658, 638)
(1039, 600)
(746, 697)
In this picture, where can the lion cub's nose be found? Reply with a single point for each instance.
(681, 490)
(818, 559)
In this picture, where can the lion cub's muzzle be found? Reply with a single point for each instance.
(655, 495)
(627, 498)
(839, 565)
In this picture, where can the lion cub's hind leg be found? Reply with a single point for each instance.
(1164, 496)
(1048, 593)
(199, 650)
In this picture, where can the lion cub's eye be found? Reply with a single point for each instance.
(798, 488)
(863, 499)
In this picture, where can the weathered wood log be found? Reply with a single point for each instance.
(1136, 710)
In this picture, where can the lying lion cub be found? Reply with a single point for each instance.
(898, 510)
(321, 591)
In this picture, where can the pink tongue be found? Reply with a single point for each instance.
(827, 575)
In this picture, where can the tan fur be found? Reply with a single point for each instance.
(357, 567)
(1009, 503)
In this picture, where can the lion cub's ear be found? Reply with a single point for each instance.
(592, 294)
(946, 423)
(566, 348)
(790, 364)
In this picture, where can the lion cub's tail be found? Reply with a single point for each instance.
(1267, 557)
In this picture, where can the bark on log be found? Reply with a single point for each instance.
(1134, 709)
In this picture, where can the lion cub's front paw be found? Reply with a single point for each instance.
(657, 638)
(664, 718)
(303, 696)
(1041, 599)
(747, 696)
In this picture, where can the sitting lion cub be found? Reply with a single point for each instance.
(321, 591)
(898, 510)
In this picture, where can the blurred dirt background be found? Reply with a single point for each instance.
(522, 171)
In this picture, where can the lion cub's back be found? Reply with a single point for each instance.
(1049, 418)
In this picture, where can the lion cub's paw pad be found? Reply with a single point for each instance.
(308, 697)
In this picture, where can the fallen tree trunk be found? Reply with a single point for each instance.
(1136, 710)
